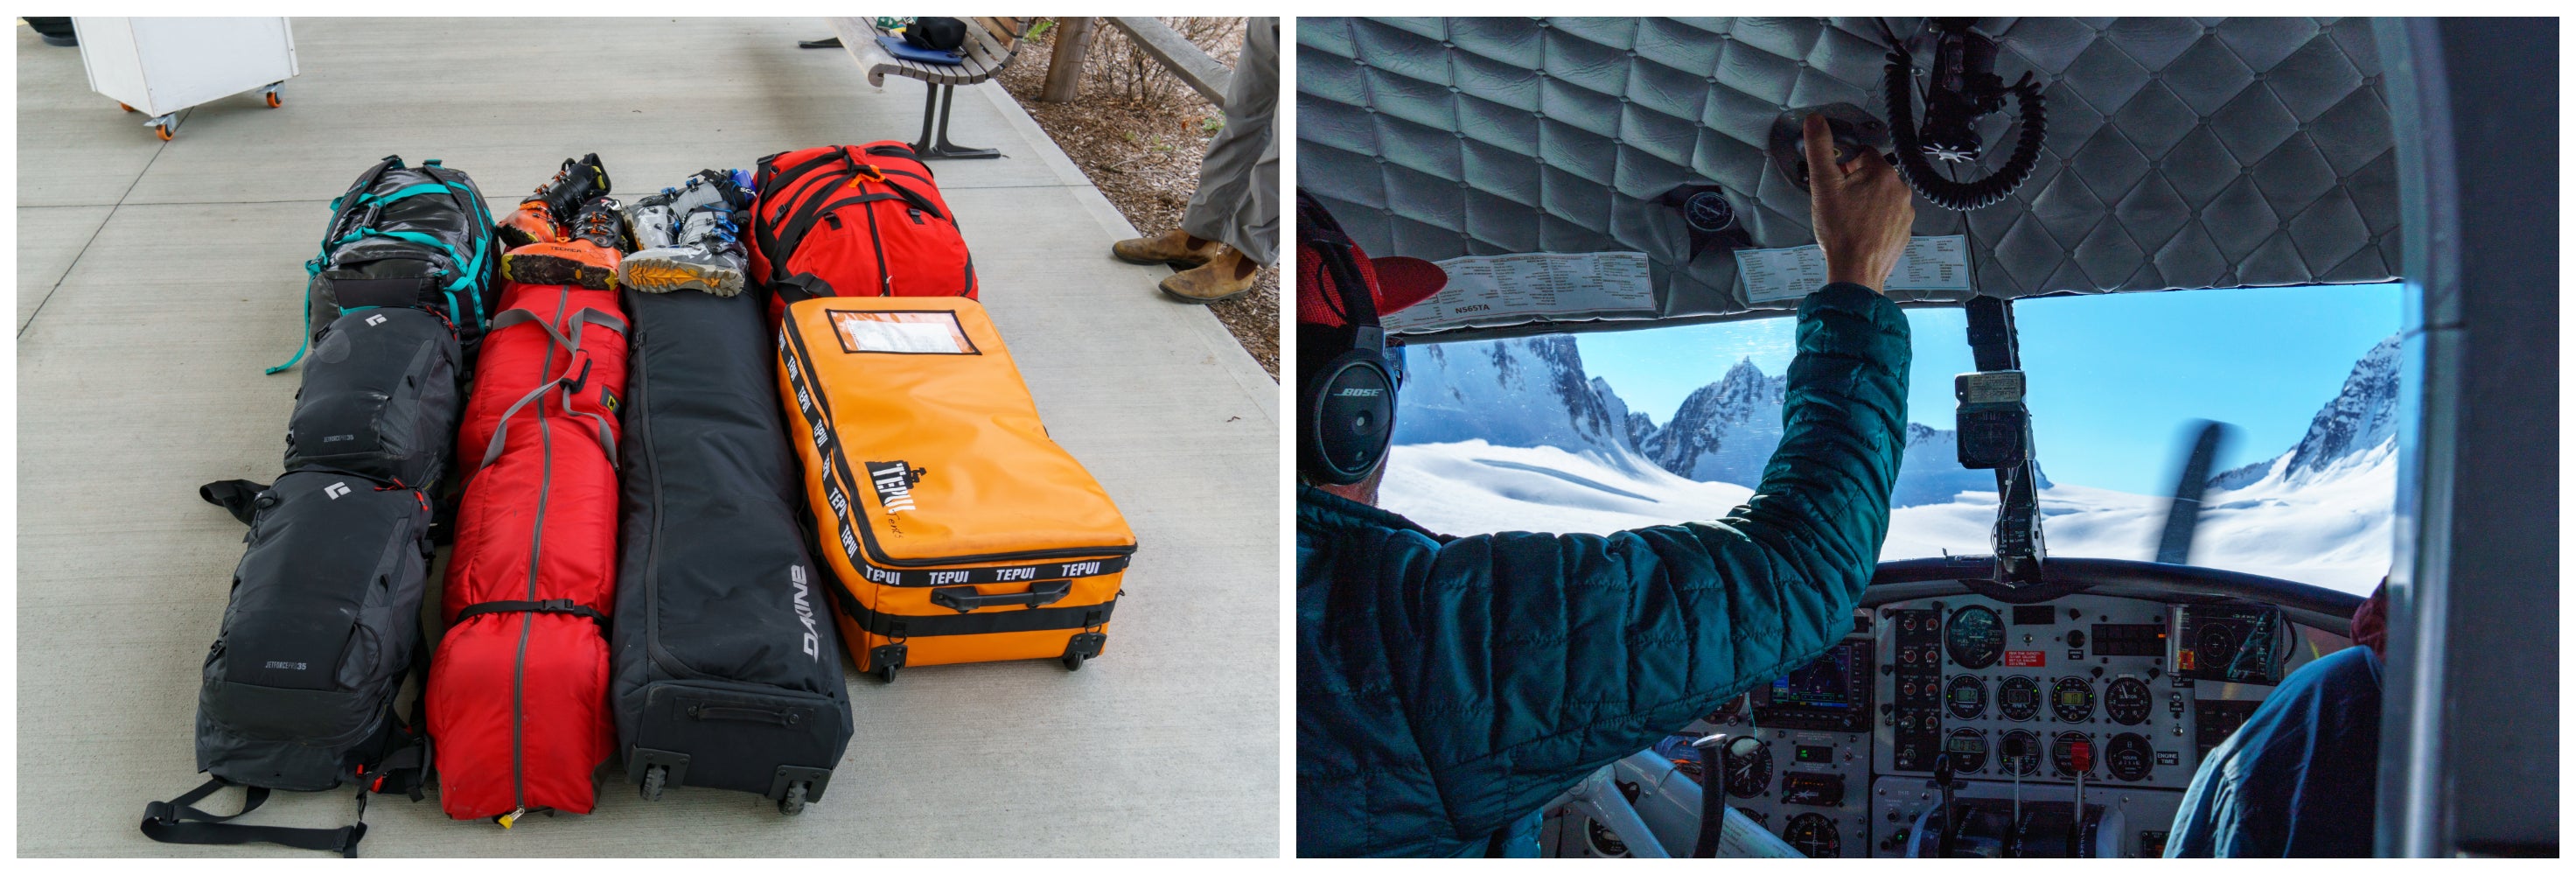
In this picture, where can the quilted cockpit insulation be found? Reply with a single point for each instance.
(2181, 153)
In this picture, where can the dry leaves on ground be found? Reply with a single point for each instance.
(1139, 133)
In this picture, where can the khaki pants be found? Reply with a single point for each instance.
(1238, 198)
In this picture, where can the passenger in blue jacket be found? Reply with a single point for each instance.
(1449, 687)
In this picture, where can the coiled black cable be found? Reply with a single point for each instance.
(1948, 193)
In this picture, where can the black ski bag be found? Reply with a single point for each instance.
(727, 668)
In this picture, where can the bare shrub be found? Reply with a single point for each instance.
(1120, 69)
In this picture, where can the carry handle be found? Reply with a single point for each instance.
(963, 599)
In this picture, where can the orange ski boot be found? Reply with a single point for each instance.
(588, 257)
(542, 217)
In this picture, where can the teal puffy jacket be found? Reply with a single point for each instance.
(1448, 688)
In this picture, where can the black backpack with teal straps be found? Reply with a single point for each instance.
(416, 237)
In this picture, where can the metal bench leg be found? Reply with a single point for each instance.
(934, 129)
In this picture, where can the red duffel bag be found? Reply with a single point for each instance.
(518, 689)
(855, 221)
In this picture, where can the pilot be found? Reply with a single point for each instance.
(2301, 777)
(1447, 688)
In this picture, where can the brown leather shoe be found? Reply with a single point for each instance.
(1171, 247)
(1212, 282)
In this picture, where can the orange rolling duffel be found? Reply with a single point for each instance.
(959, 531)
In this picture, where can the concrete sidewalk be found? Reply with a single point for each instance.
(155, 280)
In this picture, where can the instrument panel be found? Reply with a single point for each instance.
(1838, 757)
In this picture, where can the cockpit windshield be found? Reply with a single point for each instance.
(1605, 431)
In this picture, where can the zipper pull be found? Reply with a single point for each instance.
(513, 817)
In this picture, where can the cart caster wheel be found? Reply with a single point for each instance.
(122, 106)
(1073, 662)
(794, 802)
(654, 778)
(164, 132)
(886, 672)
(273, 102)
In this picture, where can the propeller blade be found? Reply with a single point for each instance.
(2183, 515)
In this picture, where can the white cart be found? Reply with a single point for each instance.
(159, 66)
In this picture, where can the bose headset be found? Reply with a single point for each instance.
(1346, 414)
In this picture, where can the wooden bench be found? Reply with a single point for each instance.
(990, 43)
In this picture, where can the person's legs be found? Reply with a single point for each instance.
(1237, 201)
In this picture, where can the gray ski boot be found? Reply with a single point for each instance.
(707, 256)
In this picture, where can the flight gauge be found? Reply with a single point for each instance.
(1967, 697)
(1967, 749)
(2128, 700)
(1976, 637)
(2019, 697)
(2130, 756)
(2020, 753)
(2072, 699)
(1748, 766)
(1814, 835)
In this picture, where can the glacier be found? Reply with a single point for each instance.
(1512, 435)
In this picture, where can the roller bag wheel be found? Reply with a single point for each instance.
(728, 669)
(958, 530)
(518, 687)
(406, 237)
(863, 220)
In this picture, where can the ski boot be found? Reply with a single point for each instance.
(708, 256)
(542, 217)
(653, 222)
(588, 257)
(709, 188)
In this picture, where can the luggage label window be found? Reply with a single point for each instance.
(907, 332)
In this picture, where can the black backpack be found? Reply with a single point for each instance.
(415, 237)
(380, 398)
(322, 629)
(323, 624)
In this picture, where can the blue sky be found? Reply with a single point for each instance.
(2113, 378)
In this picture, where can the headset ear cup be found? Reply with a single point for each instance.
(1346, 418)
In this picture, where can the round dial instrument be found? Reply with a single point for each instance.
(2061, 753)
(2130, 756)
(2128, 700)
(2019, 697)
(1604, 842)
(2020, 753)
(1967, 696)
(1967, 748)
(1748, 766)
(2072, 699)
(1814, 835)
(1976, 637)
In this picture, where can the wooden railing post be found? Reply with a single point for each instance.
(1064, 69)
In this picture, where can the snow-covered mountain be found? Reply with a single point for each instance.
(1723, 432)
(2357, 421)
(1533, 392)
(1522, 392)
(1512, 435)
